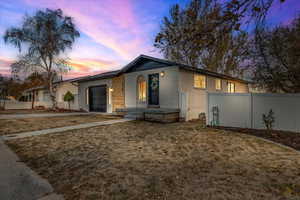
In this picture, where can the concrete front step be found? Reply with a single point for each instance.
(134, 115)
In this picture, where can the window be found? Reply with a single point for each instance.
(230, 87)
(199, 81)
(141, 89)
(87, 96)
(46, 96)
(218, 84)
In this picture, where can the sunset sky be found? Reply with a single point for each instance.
(113, 32)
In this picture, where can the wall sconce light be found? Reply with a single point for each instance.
(162, 73)
(111, 89)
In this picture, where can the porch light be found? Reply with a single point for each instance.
(111, 89)
(162, 73)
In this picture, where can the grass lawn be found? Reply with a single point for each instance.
(142, 160)
(12, 126)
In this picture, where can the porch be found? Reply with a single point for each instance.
(163, 115)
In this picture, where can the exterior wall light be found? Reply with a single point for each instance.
(162, 73)
(111, 89)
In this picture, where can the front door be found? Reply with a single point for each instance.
(153, 87)
(97, 98)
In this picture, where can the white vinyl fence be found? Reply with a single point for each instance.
(10, 104)
(246, 110)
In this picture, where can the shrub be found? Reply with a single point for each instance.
(69, 97)
(269, 120)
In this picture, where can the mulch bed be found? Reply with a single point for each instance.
(291, 139)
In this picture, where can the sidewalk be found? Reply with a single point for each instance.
(62, 129)
(19, 182)
(22, 116)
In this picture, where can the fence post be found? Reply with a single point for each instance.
(251, 109)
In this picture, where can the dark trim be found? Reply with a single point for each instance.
(106, 75)
(150, 93)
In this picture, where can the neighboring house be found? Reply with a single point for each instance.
(42, 96)
(152, 83)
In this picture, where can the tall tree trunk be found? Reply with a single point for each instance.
(4, 103)
(33, 99)
(52, 93)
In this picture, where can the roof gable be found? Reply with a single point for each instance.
(145, 63)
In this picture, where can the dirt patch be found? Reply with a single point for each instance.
(287, 138)
(142, 160)
(12, 126)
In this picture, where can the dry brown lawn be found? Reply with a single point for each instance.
(12, 126)
(141, 160)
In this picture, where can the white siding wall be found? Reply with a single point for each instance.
(168, 87)
(82, 93)
(9, 104)
(61, 90)
(196, 97)
(246, 110)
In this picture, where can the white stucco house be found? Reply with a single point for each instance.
(41, 95)
(156, 85)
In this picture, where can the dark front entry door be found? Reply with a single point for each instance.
(97, 98)
(153, 89)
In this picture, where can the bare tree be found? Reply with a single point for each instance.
(45, 36)
(276, 58)
(248, 10)
(3, 92)
(200, 35)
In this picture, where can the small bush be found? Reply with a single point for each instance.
(269, 120)
(69, 97)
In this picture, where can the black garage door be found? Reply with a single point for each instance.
(97, 98)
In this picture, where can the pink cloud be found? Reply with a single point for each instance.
(90, 65)
(79, 67)
(81, 74)
(5, 66)
(112, 24)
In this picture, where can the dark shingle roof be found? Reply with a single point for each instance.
(163, 62)
(129, 66)
(104, 75)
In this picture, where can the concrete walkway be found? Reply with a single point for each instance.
(22, 116)
(62, 129)
(19, 182)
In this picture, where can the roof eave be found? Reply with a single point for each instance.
(213, 74)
